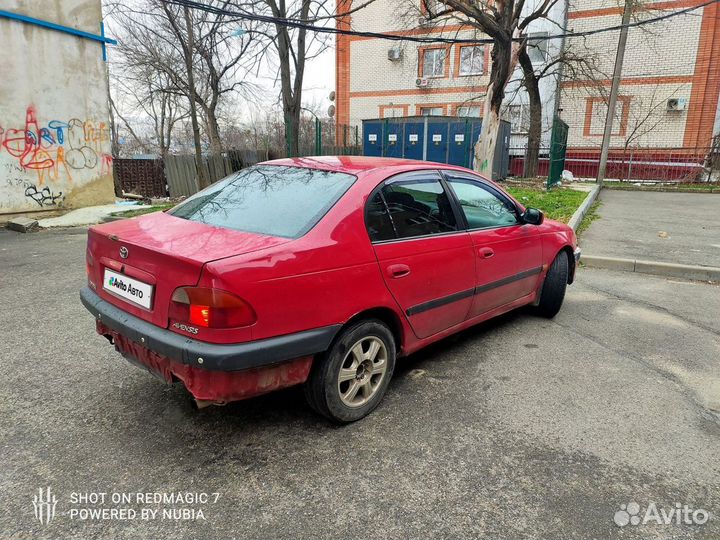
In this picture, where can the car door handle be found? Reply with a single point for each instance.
(486, 252)
(396, 271)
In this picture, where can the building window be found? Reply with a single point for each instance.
(432, 111)
(468, 110)
(537, 47)
(433, 62)
(596, 114)
(472, 61)
(519, 117)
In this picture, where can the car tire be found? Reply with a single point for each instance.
(552, 293)
(367, 349)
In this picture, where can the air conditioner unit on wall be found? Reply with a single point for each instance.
(422, 83)
(677, 104)
(394, 54)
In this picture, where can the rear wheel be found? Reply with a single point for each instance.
(350, 379)
(553, 288)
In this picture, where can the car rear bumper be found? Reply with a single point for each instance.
(201, 355)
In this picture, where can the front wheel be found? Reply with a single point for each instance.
(350, 379)
(552, 293)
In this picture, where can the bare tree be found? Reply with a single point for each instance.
(505, 21)
(292, 48)
(575, 66)
(202, 55)
(148, 96)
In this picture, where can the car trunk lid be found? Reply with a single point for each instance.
(164, 252)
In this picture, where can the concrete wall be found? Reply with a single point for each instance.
(54, 117)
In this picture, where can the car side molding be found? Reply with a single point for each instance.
(438, 302)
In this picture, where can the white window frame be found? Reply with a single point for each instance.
(537, 47)
(523, 126)
(442, 53)
(439, 110)
(476, 49)
(468, 114)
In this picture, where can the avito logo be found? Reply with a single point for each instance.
(681, 514)
(128, 288)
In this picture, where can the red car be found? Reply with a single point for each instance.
(319, 271)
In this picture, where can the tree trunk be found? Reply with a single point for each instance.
(485, 147)
(203, 180)
(213, 132)
(292, 129)
(532, 86)
(502, 66)
(291, 87)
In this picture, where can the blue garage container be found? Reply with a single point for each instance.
(444, 139)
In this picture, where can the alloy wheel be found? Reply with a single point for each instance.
(362, 371)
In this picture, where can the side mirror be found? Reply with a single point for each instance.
(532, 216)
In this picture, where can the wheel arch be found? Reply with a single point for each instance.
(385, 315)
(568, 251)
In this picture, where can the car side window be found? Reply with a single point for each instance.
(379, 224)
(419, 207)
(483, 209)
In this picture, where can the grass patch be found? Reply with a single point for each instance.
(703, 187)
(557, 204)
(591, 216)
(141, 211)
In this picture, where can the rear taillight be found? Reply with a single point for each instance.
(210, 308)
(89, 262)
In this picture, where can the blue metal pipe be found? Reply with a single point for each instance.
(57, 27)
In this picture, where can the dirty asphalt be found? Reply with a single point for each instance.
(519, 428)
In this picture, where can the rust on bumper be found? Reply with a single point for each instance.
(206, 385)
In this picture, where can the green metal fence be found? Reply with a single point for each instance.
(558, 149)
(318, 137)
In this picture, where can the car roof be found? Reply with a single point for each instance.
(359, 164)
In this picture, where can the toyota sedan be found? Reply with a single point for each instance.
(319, 271)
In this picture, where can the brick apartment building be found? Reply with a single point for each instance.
(669, 96)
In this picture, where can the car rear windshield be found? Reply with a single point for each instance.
(267, 199)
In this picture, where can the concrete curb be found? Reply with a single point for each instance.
(579, 214)
(685, 271)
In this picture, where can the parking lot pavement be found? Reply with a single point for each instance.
(656, 226)
(522, 427)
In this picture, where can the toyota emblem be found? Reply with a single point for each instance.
(124, 252)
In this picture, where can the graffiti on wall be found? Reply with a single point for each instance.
(52, 152)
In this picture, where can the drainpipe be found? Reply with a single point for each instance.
(716, 129)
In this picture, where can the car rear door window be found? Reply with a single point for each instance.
(268, 199)
(419, 207)
(483, 209)
(379, 224)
